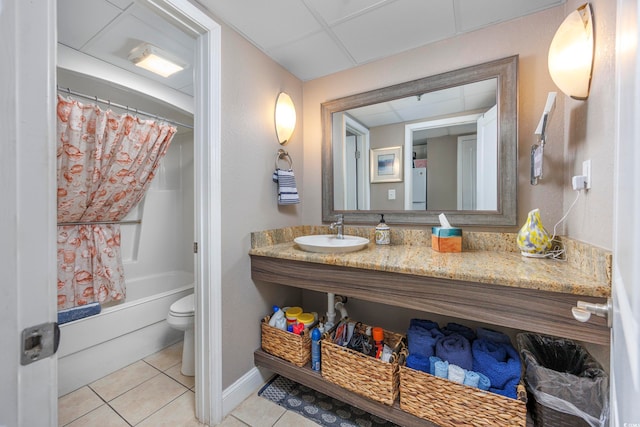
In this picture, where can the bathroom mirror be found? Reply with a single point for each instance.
(447, 142)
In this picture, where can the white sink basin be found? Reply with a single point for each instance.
(328, 243)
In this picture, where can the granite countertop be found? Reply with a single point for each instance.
(486, 258)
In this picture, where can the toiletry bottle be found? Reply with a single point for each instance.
(278, 320)
(315, 349)
(383, 233)
(378, 339)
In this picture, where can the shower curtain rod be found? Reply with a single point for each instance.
(128, 221)
(124, 107)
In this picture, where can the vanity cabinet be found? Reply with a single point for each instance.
(535, 297)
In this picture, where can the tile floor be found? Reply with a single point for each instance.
(153, 393)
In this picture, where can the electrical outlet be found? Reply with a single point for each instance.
(586, 172)
(392, 194)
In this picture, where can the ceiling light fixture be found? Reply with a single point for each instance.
(571, 53)
(156, 60)
(285, 117)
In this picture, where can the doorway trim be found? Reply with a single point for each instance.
(205, 107)
(409, 129)
(208, 192)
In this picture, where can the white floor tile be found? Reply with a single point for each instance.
(147, 398)
(76, 404)
(258, 412)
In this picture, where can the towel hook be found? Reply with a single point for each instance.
(282, 154)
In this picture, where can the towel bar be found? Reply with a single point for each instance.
(282, 154)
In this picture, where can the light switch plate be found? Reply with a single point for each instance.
(392, 194)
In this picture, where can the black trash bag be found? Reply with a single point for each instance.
(564, 377)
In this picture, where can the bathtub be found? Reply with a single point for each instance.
(121, 334)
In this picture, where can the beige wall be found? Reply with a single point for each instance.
(586, 132)
(578, 130)
(442, 178)
(589, 134)
(250, 83)
(381, 137)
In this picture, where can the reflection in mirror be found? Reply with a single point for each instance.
(457, 134)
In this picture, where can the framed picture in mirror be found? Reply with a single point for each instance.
(386, 164)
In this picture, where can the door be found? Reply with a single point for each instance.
(29, 394)
(625, 336)
(467, 172)
(28, 208)
(353, 164)
(487, 161)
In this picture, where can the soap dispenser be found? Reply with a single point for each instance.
(383, 232)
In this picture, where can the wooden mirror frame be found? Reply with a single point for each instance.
(506, 72)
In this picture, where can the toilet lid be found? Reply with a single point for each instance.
(184, 306)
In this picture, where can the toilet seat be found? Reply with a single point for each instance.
(184, 307)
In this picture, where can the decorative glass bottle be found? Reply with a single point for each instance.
(533, 240)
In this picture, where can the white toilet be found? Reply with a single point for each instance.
(181, 317)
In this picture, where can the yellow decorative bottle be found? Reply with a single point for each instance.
(533, 240)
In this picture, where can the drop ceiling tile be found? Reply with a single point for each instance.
(80, 20)
(122, 4)
(335, 11)
(377, 34)
(474, 14)
(314, 56)
(268, 24)
(114, 44)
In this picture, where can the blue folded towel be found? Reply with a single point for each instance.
(504, 373)
(456, 350)
(465, 331)
(491, 335)
(423, 323)
(418, 362)
(456, 374)
(442, 369)
(422, 337)
(79, 312)
(287, 190)
(484, 383)
(471, 378)
(432, 364)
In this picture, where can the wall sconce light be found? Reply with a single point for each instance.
(285, 117)
(155, 60)
(571, 53)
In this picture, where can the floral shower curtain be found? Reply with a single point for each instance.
(106, 162)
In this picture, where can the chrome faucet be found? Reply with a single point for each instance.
(339, 225)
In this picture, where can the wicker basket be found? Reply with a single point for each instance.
(363, 374)
(286, 345)
(450, 404)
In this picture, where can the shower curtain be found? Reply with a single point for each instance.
(105, 163)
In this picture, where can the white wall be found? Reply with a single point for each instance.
(165, 236)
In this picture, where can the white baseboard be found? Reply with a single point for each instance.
(244, 387)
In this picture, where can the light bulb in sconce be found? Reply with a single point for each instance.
(285, 117)
(571, 54)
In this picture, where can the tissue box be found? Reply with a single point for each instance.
(446, 239)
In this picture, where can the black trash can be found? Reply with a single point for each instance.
(566, 385)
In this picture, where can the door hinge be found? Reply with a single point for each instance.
(357, 154)
(39, 342)
(195, 247)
